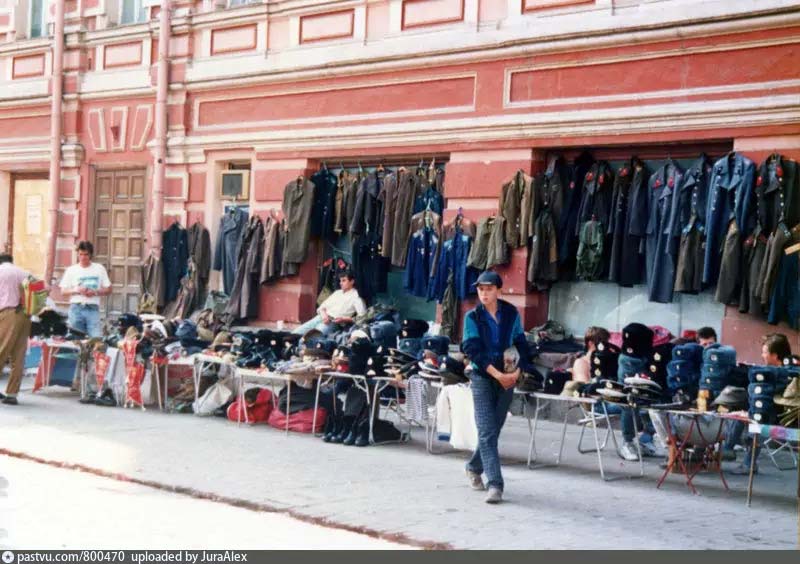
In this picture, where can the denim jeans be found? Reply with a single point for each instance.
(628, 429)
(85, 318)
(491, 407)
(735, 431)
(316, 323)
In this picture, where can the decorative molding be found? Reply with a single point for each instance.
(670, 117)
(122, 136)
(96, 119)
(119, 50)
(228, 34)
(435, 5)
(339, 118)
(529, 6)
(326, 18)
(642, 96)
(23, 62)
(183, 176)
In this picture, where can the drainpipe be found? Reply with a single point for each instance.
(57, 87)
(159, 170)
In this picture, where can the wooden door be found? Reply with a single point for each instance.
(120, 235)
(31, 224)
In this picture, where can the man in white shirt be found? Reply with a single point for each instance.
(339, 309)
(84, 283)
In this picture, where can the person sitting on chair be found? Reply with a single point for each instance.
(338, 310)
(774, 350)
(581, 368)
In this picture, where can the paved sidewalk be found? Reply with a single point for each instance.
(400, 489)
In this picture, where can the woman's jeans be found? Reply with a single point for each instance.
(491, 407)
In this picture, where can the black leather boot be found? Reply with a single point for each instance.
(362, 439)
(330, 428)
(342, 430)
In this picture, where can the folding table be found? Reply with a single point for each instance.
(775, 432)
(243, 375)
(695, 436)
(572, 403)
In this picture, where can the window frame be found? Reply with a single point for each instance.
(142, 7)
(43, 32)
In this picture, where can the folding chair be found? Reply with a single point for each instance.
(773, 447)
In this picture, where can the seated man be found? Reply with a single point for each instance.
(774, 350)
(339, 309)
(581, 369)
(706, 336)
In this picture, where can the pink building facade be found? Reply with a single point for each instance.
(279, 86)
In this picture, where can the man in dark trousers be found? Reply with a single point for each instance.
(489, 329)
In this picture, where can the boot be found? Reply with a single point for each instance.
(330, 428)
(350, 440)
(362, 439)
(342, 430)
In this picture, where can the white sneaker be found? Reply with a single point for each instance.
(495, 495)
(648, 449)
(628, 451)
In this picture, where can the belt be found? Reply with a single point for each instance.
(85, 305)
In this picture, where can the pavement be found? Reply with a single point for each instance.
(60, 509)
(399, 492)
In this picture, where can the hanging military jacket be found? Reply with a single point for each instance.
(597, 193)
(661, 244)
(323, 212)
(346, 203)
(568, 224)
(552, 191)
(511, 196)
(429, 199)
(298, 199)
(543, 261)
(199, 241)
(754, 250)
(785, 299)
(589, 260)
(497, 253)
(244, 297)
(271, 257)
(453, 258)
(729, 198)
(628, 223)
(420, 257)
(388, 197)
(479, 253)
(368, 212)
(687, 221)
(175, 258)
(777, 193)
(226, 248)
(408, 186)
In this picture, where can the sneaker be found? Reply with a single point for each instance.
(648, 449)
(742, 470)
(10, 400)
(495, 495)
(628, 451)
(728, 454)
(475, 481)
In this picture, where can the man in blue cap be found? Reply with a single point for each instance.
(489, 329)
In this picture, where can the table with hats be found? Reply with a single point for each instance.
(341, 386)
